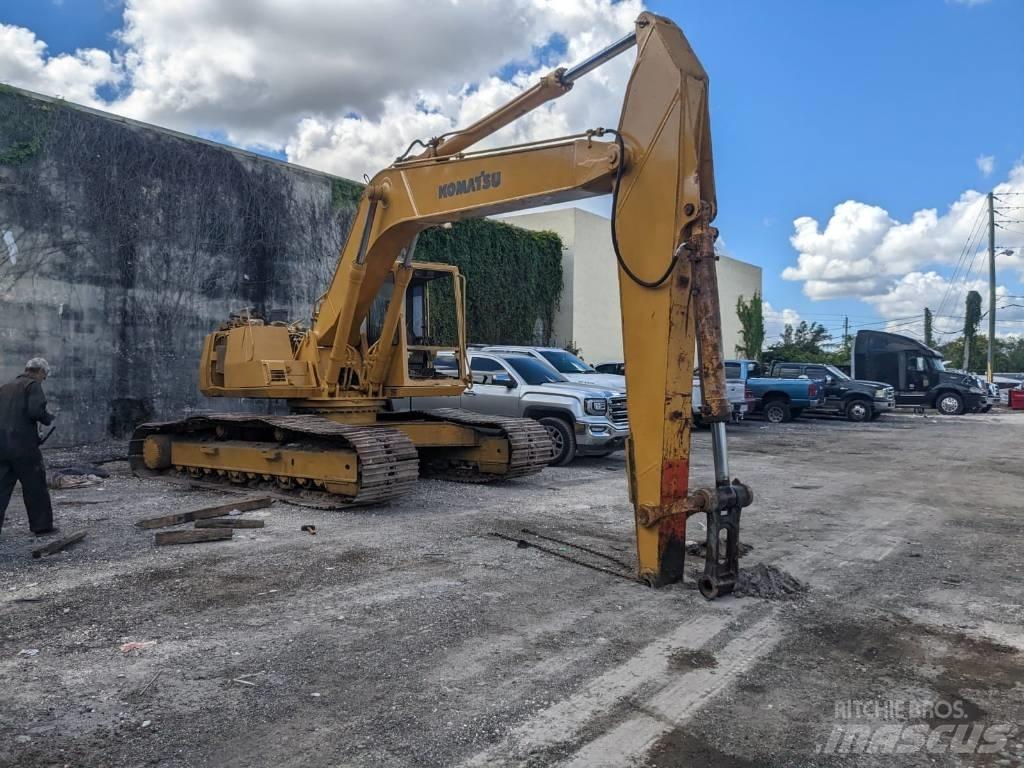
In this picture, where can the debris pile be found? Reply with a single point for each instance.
(768, 582)
(76, 477)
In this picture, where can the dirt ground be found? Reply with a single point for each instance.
(410, 635)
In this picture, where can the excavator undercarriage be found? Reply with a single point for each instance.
(312, 460)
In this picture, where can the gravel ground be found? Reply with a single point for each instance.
(410, 635)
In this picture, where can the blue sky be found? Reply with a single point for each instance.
(815, 103)
(887, 104)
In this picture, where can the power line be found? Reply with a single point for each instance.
(974, 232)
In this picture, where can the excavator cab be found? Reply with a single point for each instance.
(431, 321)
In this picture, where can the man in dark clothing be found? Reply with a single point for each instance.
(22, 407)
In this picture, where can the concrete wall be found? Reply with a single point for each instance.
(131, 244)
(589, 315)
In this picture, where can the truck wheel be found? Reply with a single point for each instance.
(562, 438)
(949, 404)
(777, 411)
(860, 410)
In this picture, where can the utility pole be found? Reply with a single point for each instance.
(991, 284)
(846, 333)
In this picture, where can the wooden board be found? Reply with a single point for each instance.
(192, 536)
(243, 505)
(58, 545)
(230, 522)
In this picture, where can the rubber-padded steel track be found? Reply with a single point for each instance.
(530, 448)
(388, 462)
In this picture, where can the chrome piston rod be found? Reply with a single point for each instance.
(720, 452)
(587, 65)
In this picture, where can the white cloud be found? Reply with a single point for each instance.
(75, 77)
(357, 144)
(900, 267)
(986, 164)
(776, 320)
(342, 85)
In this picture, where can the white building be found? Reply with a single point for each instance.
(588, 315)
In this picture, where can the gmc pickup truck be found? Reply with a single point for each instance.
(855, 399)
(778, 399)
(581, 419)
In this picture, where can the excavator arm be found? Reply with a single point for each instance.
(657, 165)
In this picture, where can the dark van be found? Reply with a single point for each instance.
(915, 371)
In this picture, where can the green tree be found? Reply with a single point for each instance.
(804, 343)
(972, 316)
(751, 316)
(929, 339)
(1012, 359)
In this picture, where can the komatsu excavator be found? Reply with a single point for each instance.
(340, 442)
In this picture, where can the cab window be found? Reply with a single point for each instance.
(484, 364)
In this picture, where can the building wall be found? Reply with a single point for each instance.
(589, 315)
(131, 244)
(735, 278)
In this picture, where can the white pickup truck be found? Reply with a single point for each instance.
(735, 389)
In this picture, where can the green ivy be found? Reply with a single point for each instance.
(24, 126)
(513, 276)
(345, 193)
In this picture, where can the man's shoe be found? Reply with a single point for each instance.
(47, 531)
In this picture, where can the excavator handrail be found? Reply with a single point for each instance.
(556, 140)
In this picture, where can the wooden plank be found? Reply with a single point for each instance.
(58, 545)
(230, 522)
(243, 505)
(192, 536)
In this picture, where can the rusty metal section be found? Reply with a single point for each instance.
(700, 248)
(388, 465)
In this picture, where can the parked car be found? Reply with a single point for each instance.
(778, 399)
(740, 397)
(855, 399)
(617, 369)
(916, 372)
(565, 362)
(581, 419)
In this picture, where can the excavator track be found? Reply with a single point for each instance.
(388, 464)
(530, 448)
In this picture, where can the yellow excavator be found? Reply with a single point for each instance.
(340, 443)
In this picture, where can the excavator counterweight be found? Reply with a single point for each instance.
(366, 345)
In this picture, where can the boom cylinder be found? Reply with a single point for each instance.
(573, 74)
(551, 86)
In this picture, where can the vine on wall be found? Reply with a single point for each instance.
(514, 281)
(23, 132)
